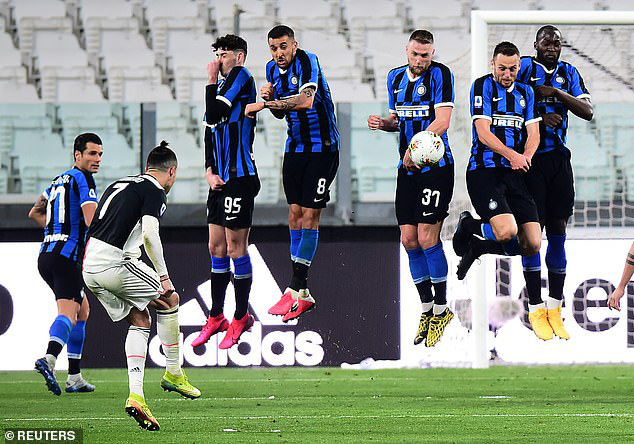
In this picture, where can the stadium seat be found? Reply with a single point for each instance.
(324, 15)
(343, 91)
(337, 61)
(507, 5)
(569, 5)
(448, 14)
(256, 15)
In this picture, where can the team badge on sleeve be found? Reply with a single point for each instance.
(477, 102)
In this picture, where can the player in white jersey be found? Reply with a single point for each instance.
(127, 217)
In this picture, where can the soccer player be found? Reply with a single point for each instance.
(127, 217)
(233, 182)
(298, 91)
(614, 301)
(505, 137)
(421, 96)
(65, 210)
(559, 88)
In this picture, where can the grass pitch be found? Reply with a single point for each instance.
(501, 404)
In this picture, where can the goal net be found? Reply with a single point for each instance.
(490, 305)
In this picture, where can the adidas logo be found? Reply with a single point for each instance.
(135, 370)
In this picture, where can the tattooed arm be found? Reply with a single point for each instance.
(302, 101)
(38, 212)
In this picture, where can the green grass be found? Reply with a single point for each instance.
(539, 404)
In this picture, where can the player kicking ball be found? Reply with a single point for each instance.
(233, 185)
(127, 217)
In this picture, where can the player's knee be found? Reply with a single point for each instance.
(173, 300)
(505, 233)
(409, 242)
(236, 249)
(556, 227)
(217, 249)
(531, 246)
(427, 239)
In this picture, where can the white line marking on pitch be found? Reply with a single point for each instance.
(495, 397)
(321, 417)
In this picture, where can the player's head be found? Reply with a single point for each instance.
(162, 164)
(282, 45)
(87, 151)
(548, 45)
(231, 50)
(419, 50)
(505, 63)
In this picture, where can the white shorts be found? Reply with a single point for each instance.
(131, 284)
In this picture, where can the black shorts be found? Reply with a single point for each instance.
(232, 205)
(307, 178)
(423, 198)
(551, 183)
(496, 191)
(63, 275)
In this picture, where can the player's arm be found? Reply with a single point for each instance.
(388, 124)
(211, 163)
(615, 298)
(580, 107)
(154, 249)
(38, 212)
(532, 140)
(215, 108)
(299, 102)
(483, 128)
(267, 94)
(440, 124)
(88, 210)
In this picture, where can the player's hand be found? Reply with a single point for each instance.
(518, 161)
(545, 91)
(408, 163)
(215, 181)
(253, 108)
(552, 119)
(614, 301)
(166, 287)
(266, 92)
(375, 122)
(213, 68)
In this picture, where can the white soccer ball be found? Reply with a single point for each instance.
(426, 148)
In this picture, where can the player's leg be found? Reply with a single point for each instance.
(220, 267)
(136, 351)
(75, 382)
(220, 277)
(55, 271)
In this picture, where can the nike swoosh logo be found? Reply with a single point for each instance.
(497, 99)
(396, 91)
(535, 78)
(231, 218)
(318, 200)
(427, 214)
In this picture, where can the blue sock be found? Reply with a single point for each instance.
(296, 237)
(60, 330)
(556, 253)
(220, 264)
(76, 340)
(242, 267)
(487, 232)
(532, 263)
(307, 246)
(437, 263)
(418, 265)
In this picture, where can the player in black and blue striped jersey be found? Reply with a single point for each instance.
(421, 96)
(233, 185)
(65, 210)
(505, 137)
(297, 90)
(559, 88)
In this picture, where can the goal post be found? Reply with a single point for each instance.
(481, 23)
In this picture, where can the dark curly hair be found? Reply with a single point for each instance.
(230, 42)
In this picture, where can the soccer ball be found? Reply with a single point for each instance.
(426, 148)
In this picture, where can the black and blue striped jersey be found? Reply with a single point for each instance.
(65, 229)
(415, 99)
(313, 130)
(229, 143)
(509, 111)
(564, 77)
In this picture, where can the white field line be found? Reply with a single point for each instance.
(322, 417)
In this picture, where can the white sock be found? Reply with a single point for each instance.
(74, 378)
(51, 360)
(427, 306)
(552, 302)
(169, 333)
(533, 308)
(135, 351)
(439, 309)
